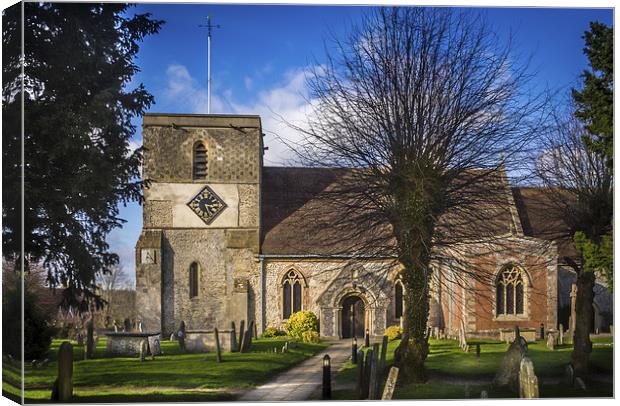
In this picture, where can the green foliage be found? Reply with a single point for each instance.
(79, 102)
(393, 333)
(595, 101)
(37, 332)
(597, 257)
(271, 332)
(310, 336)
(300, 322)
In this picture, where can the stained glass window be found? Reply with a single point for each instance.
(510, 290)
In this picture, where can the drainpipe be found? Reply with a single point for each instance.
(261, 314)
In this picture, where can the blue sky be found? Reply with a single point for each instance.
(260, 54)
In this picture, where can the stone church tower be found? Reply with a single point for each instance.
(200, 237)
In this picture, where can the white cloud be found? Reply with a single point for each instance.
(287, 102)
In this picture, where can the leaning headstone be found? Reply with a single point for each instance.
(373, 385)
(360, 374)
(569, 375)
(384, 344)
(241, 334)
(90, 340)
(218, 351)
(528, 381)
(143, 350)
(233, 338)
(561, 336)
(550, 341)
(508, 373)
(390, 384)
(155, 345)
(127, 325)
(181, 335)
(247, 338)
(63, 386)
(580, 384)
(366, 381)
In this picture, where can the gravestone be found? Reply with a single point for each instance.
(115, 326)
(233, 338)
(34, 363)
(218, 352)
(155, 345)
(241, 335)
(181, 335)
(580, 384)
(63, 386)
(561, 336)
(373, 386)
(172, 337)
(360, 374)
(484, 395)
(80, 339)
(251, 329)
(45, 363)
(528, 381)
(390, 384)
(127, 325)
(90, 340)
(569, 375)
(247, 338)
(550, 341)
(140, 326)
(143, 350)
(384, 344)
(366, 381)
(508, 373)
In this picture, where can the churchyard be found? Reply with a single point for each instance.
(176, 375)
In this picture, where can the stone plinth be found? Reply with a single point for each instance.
(204, 340)
(126, 344)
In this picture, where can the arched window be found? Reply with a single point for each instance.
(398, 299)
(510, 291)
(292, 286)
(193, 280)
(200, 161)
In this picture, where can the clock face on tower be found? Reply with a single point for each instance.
(207, 205)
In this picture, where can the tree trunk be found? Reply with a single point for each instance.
(582, 346)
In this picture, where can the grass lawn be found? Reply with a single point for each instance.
(455, 374)
(173, 376)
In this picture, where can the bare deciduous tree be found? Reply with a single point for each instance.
(413, 111)
(580, 188)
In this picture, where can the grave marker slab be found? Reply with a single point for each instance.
(390, 384)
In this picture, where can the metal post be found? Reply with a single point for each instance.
(354, 351)
(327, 384)
(209, 66)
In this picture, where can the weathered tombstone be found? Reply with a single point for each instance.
(251, 329)
(127, 325)
(241, 335)
(561, 336)
(508, 373)
(528, 382)
(384, 344)
(247, 338)
(550, 341)
(90, 340)
(580, 384)
(366, 381)
(569, 375)
(218, 351)
(484, 395)
(367, 339)
(155, 345)
(34, 363)
(80, 339)
(373, 386)
(390, 384)
(233, 338)
(115, 326)
(63, 386)
(143, 350)
(284, 349)
(360, 374)
(172, 337)
(140, 326)
(181, 335)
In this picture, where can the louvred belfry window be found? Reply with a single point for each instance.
(292, 288)
(200, 161)
(510, 291)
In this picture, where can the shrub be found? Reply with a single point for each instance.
(300, 322)
(310, 336)
(393, 333)
(271, 332)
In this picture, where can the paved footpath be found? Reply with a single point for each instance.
(299, 382)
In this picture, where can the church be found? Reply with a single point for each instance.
(226, 238)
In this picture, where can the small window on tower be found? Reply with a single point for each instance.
(200, 161)
(193, 280)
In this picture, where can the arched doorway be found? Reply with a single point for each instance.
(353, 317)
